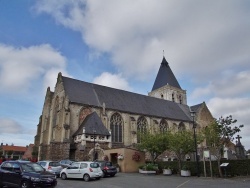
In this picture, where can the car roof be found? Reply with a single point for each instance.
(18, 161)
(85, 162)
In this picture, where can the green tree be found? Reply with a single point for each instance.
(182, 143)
(155, 144)
(219, 134)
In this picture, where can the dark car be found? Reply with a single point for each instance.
(25, 174)
(66, 163)
(107, 168)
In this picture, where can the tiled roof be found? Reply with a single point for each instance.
(95, 95)
(165, 76)
(14, 148)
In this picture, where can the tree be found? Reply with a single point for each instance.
(155, 144)
(182, 143)
(219, 134)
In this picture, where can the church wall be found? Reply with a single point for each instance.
(58, 147)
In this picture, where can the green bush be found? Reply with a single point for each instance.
(235, 167)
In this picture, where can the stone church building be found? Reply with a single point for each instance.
(81, 120)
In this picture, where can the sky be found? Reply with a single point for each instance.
(121, 44)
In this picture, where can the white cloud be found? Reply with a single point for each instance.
(21, 67)
(205, 42)
(230, 84)
(10, 127)
(112, 80)
(192, 33)
(238, 108)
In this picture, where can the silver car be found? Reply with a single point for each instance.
(51, 166)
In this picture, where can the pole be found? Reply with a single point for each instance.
(196, 154)
(94, 147)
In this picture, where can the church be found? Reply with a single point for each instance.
(81, 120)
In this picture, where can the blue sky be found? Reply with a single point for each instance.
(120, 44)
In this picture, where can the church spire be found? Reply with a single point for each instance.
(165, 76)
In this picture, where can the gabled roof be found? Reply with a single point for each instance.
(196, 107)
(92, 123)
(165, 76)
(95, 95)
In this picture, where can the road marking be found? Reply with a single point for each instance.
(182, 184)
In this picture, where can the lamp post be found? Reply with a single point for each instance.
(195, 145)
(94, 145)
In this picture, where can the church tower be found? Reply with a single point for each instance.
(166, 85)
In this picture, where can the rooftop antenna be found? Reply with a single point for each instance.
(163, 53)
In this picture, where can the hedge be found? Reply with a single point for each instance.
(235, 167)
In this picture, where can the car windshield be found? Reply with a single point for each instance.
(94, 165)
(31, 167)
(109, 164)
(54, 164)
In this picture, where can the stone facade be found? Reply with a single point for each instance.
(61, 119)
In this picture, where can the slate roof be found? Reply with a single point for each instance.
(92, 122)
(165, 76)
(95, 95)
(195, 108)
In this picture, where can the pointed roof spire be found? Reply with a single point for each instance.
(165, 76)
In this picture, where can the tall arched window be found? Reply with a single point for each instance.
(173, 97)
(55, 117)
(116, 126)
(163, 126)
(181, 127)
(141, 127)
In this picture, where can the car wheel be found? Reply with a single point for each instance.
(112, 175)
(64, 176)
(24, 184)
(86, 177)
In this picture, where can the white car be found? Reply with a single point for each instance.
(82, 169)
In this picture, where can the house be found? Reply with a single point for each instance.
(12, 152)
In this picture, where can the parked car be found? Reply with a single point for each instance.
(52, 166)
(25, 174)
(66, 163)
(82, 169)
(107, 168)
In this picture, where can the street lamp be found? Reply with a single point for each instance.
(94, 145)
(195, 144)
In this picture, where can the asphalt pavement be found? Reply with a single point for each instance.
(136, 180)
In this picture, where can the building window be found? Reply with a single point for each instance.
(181, 127)
(116, 126)
(180, 99)
(163, 126)
(141, 127)
(173, 99)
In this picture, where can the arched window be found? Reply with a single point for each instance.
(181, 127)
(56, 110)
(163, 126)
(180, 99)
(83, 113)
(173, 98)
(116, 126)
(141, 127)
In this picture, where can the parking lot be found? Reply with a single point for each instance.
(123, 180)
